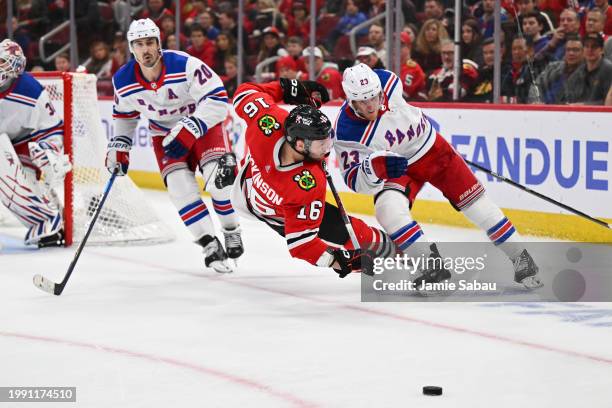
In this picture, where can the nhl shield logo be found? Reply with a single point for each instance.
(305, 180)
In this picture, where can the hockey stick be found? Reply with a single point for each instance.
(540, 195)
(56, 288)
(345, 218)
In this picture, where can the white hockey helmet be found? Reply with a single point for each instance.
(12, 61)
(143, 28)
(360, 83)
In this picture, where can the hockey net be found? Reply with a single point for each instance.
(127, 218)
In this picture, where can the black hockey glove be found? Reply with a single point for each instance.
(303, 92)
(226, 171)
(353, 260)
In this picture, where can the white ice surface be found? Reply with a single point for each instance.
(150, 327)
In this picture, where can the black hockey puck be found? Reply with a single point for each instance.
(432, 390)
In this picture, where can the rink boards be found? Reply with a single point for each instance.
(560, 152)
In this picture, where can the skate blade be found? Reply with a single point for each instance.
(227, 266)
(532, 282)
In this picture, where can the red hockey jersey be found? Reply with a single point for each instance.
(413, 79)
(286, 197)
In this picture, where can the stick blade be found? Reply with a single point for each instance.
(45, 284)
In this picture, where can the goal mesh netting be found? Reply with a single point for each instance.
(126, 218)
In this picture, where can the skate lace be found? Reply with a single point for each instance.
(521, 263)
(232, 239)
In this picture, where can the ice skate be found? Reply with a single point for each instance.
(433, 272)
(54, 240)
(233, 242)
(525, 271)
(214, 255)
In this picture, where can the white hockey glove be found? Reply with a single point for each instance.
(53, 163)
(384, 165)
(118, 155)
(183, 135)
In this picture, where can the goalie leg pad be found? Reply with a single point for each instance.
(22, 194)
(185, 195)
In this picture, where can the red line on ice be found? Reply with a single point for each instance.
(234, 379)
(442, 326)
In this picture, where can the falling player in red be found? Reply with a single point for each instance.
(283, 184)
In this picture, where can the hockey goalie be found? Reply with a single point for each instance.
(32, 161)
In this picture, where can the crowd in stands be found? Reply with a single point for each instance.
(553, 51)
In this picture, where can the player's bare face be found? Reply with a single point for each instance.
(320, 148)
(368, 108)
(146, 51)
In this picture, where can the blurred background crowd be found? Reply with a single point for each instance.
(552, 51)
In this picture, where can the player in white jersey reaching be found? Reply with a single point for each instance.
(32, 160)
(388, 148)
(185, 104)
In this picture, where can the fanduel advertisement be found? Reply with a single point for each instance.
(565, 155)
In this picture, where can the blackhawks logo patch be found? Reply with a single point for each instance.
(268, 124)
(305, 180)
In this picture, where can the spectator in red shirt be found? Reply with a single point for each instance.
(298, 21)
(287, 67)
(295, 46)
(411, 74)
(271, 46)
(326, 73)
(190, 10)
(201, 46)
(440, 82)
(168, 27)
(605, 8)
(155, 11)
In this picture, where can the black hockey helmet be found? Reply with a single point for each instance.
(307, 123)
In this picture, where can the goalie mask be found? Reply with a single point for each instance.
(141, 29)
(12, 62)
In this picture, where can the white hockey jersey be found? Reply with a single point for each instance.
(186, 87)
(27, 115)
(399, 128)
